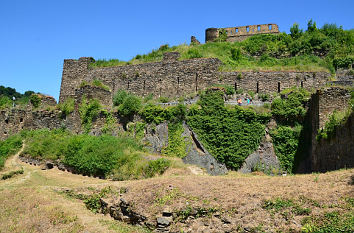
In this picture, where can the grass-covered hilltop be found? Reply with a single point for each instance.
(314, 49)
(215, 158)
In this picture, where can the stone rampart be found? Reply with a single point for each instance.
(174, 78)
(241, 32)
(336, 152)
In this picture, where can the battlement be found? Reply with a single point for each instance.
(241, 32)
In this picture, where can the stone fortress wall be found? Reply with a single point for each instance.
(173, 78)
(242, 32)
(336, 152)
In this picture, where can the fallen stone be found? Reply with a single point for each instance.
(163, 222)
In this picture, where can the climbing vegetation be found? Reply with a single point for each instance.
(229, 134)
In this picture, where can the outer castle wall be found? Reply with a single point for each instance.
(174, 78)
(336, 152)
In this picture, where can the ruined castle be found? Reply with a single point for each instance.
(173, 77)
(241, 33)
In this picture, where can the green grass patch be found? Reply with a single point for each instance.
(9, 147)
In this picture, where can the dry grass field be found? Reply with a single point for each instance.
(32, 201)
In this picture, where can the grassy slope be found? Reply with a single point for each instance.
(312, 50)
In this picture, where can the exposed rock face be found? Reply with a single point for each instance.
(263, 158)
(156, 138)
(198, 155)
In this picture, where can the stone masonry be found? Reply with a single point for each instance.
(173, 78)
(242, 32)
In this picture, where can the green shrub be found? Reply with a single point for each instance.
(66, 107)
(9, 147)
(264, 97)
(152, 113)
(35, 100)
(158, 166)
(193, 53)
(290, 110)
(230, 135)
(286, 142)
(119, 97)
(98, 83)
(130, 106)
(163, 99)
(104, 156)
(89, 110)
(5, 102)
(236, 54)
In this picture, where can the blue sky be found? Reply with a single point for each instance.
(36, 36)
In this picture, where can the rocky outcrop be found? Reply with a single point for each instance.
(264, 158)
(156, 138)
(198, 155)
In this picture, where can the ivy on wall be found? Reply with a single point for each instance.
(229, 134)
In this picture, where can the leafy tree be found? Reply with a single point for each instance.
(295, 31)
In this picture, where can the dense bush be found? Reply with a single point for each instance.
(5, 102)
(286, 142)
(9, 147)
(152, 113)
(66, 107)
(89, 109)
(127, 103)
(104, 156)
(290, 109)
(230, 135)
(35, 100)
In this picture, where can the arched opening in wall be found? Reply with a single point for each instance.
(6, 121)
(302, 84)
(196, 82)
(257, 89)
(248, 29)
(278, 87)
(270, 27)
(21, 120)
(5, 133)
(259, 28)
(235, 86)
(236, 30)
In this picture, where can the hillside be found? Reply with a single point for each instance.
(49, 201)
(315, 49)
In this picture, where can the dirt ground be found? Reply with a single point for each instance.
(30, 202)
